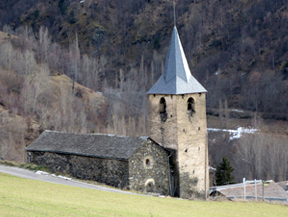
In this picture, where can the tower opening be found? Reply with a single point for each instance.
(191, 106)
(162, 109)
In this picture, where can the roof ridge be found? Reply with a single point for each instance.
(94, 134)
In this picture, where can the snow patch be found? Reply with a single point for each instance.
(235, 134)
(61, 177)
(64, 177)
(237, 110)
(82, 1)
(211, 168)
(39, 172)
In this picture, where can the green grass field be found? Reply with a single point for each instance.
(23, 197)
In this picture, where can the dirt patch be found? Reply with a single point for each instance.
(5, 36)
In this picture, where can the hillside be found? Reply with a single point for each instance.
(234, 48)
(54, 108)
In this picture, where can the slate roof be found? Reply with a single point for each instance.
(284, 185)
(91, 145)
(176, 78)
(272, 190)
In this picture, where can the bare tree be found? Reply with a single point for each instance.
(41, 84)
(262, 156)
(26, 39)
(25, 63)
(90, 72)
(8, 29)
(74, 60)
(6, 55)
(44, 44)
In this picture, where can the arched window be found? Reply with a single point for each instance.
(191, 106)
(162, 109)
(147, 162)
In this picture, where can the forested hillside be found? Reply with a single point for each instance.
(237, 49)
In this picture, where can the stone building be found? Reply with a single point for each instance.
(131, 163)
(173, 160)
(177, 120)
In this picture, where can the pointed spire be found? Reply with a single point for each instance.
(176, 78)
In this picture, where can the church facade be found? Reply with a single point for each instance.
(173, 160)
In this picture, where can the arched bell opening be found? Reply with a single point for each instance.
(191, 106)
(162, 109)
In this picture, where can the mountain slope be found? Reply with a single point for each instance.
(226, 42)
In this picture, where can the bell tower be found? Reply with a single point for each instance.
(177, 120)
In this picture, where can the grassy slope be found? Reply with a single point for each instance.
(22, 197)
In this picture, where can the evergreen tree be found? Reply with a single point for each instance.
(223, 174)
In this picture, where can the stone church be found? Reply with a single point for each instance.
(173, 160)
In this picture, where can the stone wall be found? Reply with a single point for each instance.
(148, 169)
(163, 132)
(111, 172)
(192, 146)
(145, 171)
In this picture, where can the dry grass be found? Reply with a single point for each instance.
(4, 36)
(87, 95)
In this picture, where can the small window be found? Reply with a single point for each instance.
(162, 109)
(190, 106)
(147, 162)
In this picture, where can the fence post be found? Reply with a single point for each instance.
(244, 192)
(255, 189)
(263, 196)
